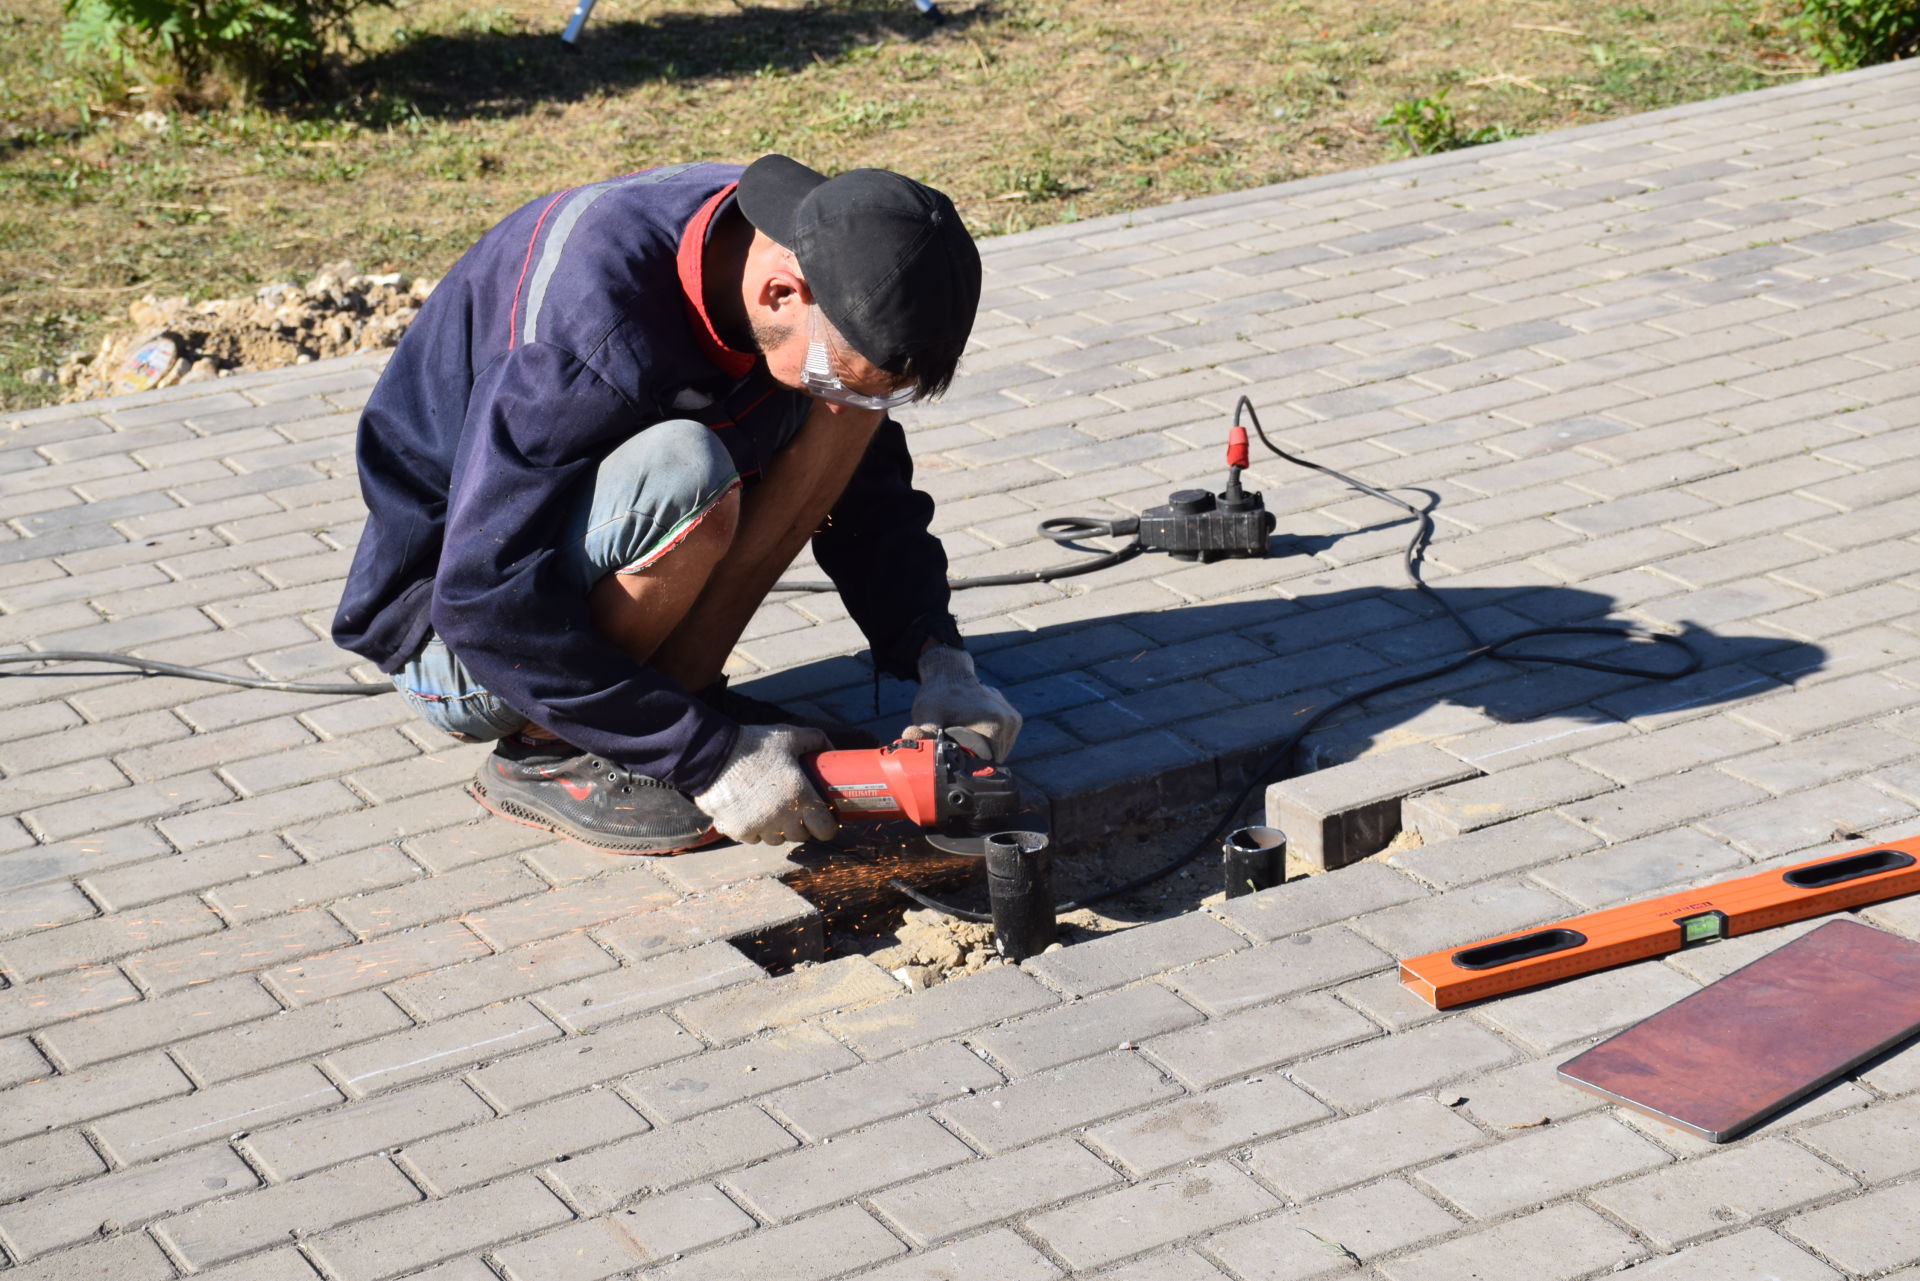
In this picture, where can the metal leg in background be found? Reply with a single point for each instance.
(577, 21)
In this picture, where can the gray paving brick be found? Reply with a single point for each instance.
(1256, 1039)
(293, 1150)
(1337, 816)
(1297, 963)
(69, 996)
(51, 1102)
(1541, 1165)
(234, 1226)
(20, 1061)
(468, 890)
(404, 1057)
(1810, 711)
(1492, 851)
(150, 1024)
(547, 1132)
(235, 951)
(272, 812)
(857, 1164)
(1417, 1059)
(1224, 1117)
(1866, 1234)
(847, 1100)
(1310, 1241)
(784, 1057)
(33, 1165)
(1000, 1254)
(518, 972)
(953, 1008)
(1672, 750)
(1084, 1028)
(1685, 1202)
(812, 1248)
(1877, 1143)
(1641, 869)
(1559, 1242)
(1116, 1224)
(1482, 802)
(665, 1158)
(124, 1199)
(1807, 818)
(338, 971)
(555, 912)
(578, 1062)
(1460, 916)
(134, 1258)
(437, 1230)
(1038, 1106)
(380, 824)
(286, 1037)
(212, 1114)
(589, 1249)
(106, 738)
(1144, 950)
(1755, 1252)
(135, 804)
(1350, 1150)
(846, 983)
(978, 1193)
(629, 991)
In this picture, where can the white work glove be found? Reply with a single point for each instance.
(761, 795)
(952, 695)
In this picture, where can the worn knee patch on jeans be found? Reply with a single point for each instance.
(648, 494)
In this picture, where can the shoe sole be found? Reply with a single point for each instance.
(526, 817)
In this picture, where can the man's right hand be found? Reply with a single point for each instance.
(761, 795)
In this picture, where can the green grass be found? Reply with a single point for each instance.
(1027, 111)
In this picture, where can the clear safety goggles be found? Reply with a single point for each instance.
(818, 380)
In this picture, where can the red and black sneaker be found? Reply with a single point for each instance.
(587, 799)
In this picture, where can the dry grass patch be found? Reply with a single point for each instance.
(1028, 112)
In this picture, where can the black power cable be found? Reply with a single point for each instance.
(1478, 649)
(153, 667)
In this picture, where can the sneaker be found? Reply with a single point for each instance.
(743, 709)
(588, 800)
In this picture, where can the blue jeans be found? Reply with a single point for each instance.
(647, 494)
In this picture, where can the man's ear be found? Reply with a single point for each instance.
(782, 285)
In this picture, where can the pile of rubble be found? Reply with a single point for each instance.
(932, 946)
(172, 340)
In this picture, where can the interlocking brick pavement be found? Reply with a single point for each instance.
(277, 1001)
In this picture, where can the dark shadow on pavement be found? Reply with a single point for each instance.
(496, 75)
(1132, 718)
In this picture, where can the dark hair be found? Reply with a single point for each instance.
(930, 368)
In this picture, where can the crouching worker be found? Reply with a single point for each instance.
(613, 425)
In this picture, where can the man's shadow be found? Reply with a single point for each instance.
(1133, 717)
(503, 73)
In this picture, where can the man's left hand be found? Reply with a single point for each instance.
(951, 695)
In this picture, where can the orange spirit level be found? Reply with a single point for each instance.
(1582, 944)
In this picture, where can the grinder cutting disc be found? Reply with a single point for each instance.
(1023, 830)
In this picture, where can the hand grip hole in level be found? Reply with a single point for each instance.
(1523, 948)
(1850, 868)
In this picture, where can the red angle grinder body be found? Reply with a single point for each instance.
(946, 785)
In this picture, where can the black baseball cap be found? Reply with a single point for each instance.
(887, 258)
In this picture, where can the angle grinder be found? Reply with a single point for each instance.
(950, 788)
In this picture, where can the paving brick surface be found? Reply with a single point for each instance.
(278, 1002)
